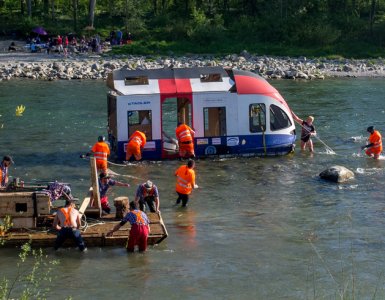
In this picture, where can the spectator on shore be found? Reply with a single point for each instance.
(119, 36)
(59, 44)
(12, 47)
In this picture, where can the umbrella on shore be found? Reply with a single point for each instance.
(39, 30)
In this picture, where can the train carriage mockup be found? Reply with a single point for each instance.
(232, 112)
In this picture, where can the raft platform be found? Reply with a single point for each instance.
(94, 233)
(31, 212)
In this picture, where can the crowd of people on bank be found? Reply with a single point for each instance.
(70, 43)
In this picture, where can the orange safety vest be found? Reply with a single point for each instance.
(67, 215)
(138, 138)
(139, 219)
(185, 180)
(184, 133)
(376, 139)
(101, 151)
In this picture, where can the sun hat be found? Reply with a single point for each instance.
(148, 184)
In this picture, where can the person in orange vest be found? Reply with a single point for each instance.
(140, 228)
(185, 182)
(135, 145)
(374, 146)
(6, 162)
(100, 151)
(67, 222)
(185, 137)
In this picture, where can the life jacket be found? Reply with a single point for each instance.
(146, 193)
(185, 178)
(376, 139)
(139, 219)
(138, 138)
(67, 215)
(101, 151)
(3, 175)
(183, 133)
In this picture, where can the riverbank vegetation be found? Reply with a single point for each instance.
(348, 28)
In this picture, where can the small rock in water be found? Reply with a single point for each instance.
(337, 174)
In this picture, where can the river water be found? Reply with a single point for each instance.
(257, 228)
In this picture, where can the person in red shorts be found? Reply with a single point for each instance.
(140, 228)
(374, 146)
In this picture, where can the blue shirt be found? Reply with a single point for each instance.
(103, 188)
(133, 219)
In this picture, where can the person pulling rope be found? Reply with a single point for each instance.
(308, 131)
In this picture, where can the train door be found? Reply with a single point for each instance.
(174, 111)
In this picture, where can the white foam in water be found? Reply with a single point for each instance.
(357, 138)
(330, 151)
(360, 170)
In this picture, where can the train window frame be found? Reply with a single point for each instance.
(220, 118)
(253, 110)
(140, 120)
(273, 117)
(136, 80)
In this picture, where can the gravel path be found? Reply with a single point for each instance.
(23, 64)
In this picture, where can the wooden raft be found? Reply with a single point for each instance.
(31, 214)
(94, 235)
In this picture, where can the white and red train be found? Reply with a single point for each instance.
(233, 112)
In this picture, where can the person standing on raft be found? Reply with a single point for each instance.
(67, 223)
(374, 146)
(308, 130)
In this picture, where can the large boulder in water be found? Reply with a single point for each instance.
(337, 174)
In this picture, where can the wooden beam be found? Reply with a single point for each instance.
(95, 185)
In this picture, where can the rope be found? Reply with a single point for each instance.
(326, 146)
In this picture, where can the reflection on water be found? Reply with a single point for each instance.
(257, 228)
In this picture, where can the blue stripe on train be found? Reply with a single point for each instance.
(271, 144)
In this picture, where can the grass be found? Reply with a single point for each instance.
(224, 47)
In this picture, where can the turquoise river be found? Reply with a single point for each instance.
(257, 228)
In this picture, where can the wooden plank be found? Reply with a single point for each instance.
(23, 222)
(95, 185)
(86, 202)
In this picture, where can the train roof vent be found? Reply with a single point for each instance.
(136, 80)
(211, 77)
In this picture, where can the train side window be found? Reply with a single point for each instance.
(214, 121)
(278, 118)
(257, 117)
(140, 120)
(211, 77)
(136, 80)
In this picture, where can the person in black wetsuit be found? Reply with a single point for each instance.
(308, 130)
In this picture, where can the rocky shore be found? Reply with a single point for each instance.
(42, 66)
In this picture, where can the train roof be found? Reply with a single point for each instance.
(189, 80)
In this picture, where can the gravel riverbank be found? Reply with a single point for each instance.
(22, 64)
